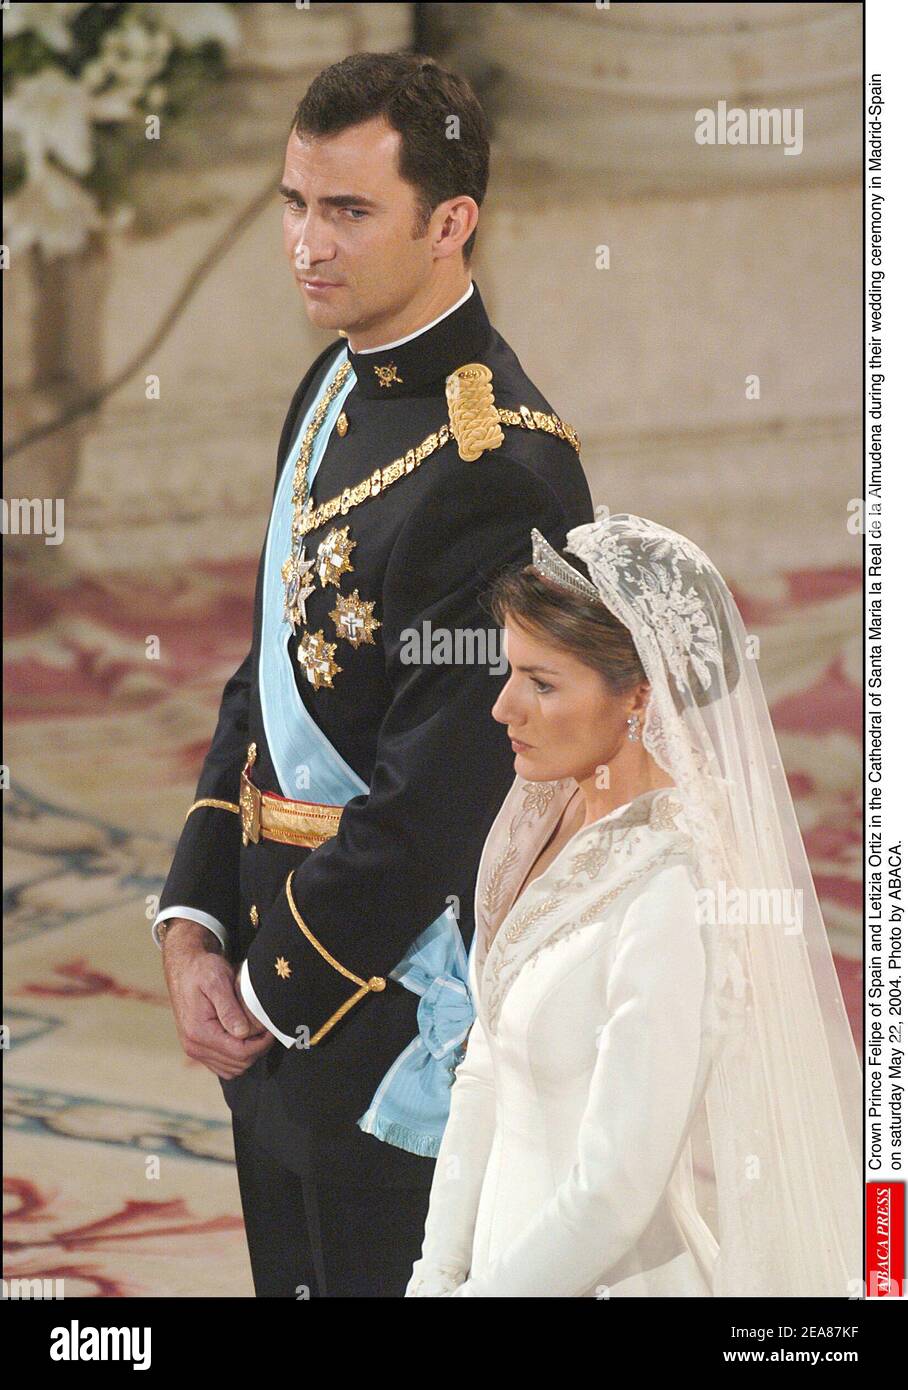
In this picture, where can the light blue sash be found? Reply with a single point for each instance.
(410, 1107)
(296, 743)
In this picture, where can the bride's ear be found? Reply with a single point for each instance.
(641, 698)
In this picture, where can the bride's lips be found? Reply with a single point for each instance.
(519, 747)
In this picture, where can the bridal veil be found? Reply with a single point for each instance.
(773, 1157)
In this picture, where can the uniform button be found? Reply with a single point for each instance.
(254, 915)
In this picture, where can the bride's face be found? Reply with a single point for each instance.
(561, 717)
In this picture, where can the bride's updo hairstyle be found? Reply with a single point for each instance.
(588, 630)
(580, 626)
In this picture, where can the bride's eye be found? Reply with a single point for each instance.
(541, 687)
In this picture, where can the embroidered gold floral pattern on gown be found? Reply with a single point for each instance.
(536, 800)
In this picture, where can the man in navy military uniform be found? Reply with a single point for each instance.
(414, 460)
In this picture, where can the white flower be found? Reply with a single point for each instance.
(193, 24)
(93, 74)
(121, 218)
(132, 54)
(52, 23)
(52, 113)
(52, 211)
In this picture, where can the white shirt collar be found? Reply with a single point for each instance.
(425, 328)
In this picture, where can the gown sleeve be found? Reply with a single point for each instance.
(638, 1110)
(459, 1171)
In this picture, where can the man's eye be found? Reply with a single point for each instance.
(541, 686)
(296, 206)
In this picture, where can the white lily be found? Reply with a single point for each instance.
(52, 211)
(133, 53)
(52, 113)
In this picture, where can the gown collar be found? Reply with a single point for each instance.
(505, 927)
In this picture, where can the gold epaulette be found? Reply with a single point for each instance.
(471, 410)
(474, 420)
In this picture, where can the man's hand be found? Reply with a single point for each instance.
(213, 1025)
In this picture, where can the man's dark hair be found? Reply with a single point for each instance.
(417, 98)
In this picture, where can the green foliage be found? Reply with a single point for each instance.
(88, 30)
(25, 55)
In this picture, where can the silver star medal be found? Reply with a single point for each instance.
(296, 571)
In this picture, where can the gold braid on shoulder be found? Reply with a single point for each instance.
(474, 420)
(471, 410)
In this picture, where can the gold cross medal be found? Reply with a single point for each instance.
(316, 656)
(295, 574)
(353, 618)
(333, 556)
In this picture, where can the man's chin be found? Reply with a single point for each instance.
(322, 315)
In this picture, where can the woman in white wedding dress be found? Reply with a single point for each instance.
(660, 1094)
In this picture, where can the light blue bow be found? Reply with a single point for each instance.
(410, 1106)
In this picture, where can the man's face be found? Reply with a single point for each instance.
(360, 247)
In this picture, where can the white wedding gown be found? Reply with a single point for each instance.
(565, 1167)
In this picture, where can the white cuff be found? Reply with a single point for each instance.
(194, 914)
(250, 999)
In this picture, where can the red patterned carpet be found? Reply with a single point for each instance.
(118, 1151)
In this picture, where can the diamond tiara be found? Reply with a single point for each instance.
(551, 566)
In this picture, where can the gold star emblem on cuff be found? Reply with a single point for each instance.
(333, 555)
(316, 656)
(254, 915)
(283, 968)
(353, 618)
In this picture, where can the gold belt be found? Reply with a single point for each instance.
(265, 815)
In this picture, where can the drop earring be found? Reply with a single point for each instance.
(633, 726)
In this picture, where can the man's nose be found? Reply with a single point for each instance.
(312, 248)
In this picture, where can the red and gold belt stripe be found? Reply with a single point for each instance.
(268, 816)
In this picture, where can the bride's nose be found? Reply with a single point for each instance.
(503, 704)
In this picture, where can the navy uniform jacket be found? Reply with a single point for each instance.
(421, 736)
